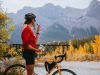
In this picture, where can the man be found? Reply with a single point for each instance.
(29, 41)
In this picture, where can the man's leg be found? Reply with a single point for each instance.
(30, 69)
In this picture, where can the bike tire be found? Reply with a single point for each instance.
(11, 68)
(66, 72)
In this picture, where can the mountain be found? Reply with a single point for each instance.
(60, 24)
(56, 32)
(94, 9)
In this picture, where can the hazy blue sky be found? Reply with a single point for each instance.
(14, 5)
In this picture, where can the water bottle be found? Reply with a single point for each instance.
(41, 47)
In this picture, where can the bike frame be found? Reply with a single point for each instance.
(57, 67)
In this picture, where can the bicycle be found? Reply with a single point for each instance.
(19, 69)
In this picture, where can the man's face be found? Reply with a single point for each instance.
(33, 22)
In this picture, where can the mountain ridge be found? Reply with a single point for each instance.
(68, 19)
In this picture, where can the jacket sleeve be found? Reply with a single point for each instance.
(25, 38)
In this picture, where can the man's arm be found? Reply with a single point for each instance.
(37, 33)
(34, 49)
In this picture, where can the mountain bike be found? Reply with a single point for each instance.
(52, 68)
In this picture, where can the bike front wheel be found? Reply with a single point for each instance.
(64, 72)
(16, 69)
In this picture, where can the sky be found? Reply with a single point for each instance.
(15, 5)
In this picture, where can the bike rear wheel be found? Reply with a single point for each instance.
(64, 72)
(16, 69)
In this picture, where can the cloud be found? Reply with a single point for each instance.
(15, 5)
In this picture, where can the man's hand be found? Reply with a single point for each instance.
(39, 50)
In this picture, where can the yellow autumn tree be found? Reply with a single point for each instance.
(70, 51)
(5, 30)
(96, 46)
(58, 50)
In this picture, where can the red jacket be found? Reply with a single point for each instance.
(28, 37)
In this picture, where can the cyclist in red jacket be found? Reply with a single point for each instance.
(29, 40)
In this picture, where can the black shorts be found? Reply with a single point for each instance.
(29, 56)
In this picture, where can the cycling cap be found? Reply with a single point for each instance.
(30, 16)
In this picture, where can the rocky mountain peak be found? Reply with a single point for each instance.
(94, 9)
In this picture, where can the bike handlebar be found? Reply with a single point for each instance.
(61, 57)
